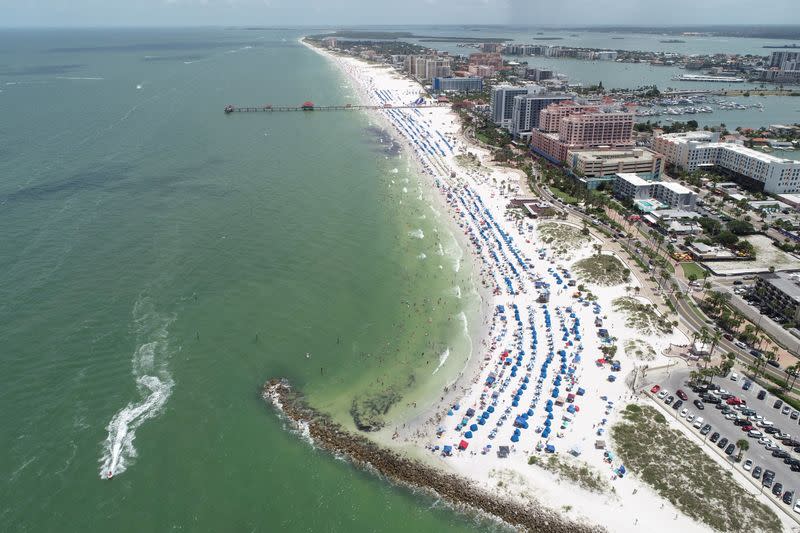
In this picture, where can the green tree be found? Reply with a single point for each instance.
(743, 446)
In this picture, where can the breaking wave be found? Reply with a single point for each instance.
(442, 359)
(416, 234)
(153, 382)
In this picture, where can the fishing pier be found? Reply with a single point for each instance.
(309, 106)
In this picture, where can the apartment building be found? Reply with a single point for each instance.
(751, 168)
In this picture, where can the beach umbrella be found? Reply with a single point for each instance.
(474, 427)
(468, 435)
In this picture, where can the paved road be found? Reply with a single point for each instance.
(759, 455)
(683, 308)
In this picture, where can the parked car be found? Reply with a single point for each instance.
(730, 448)
(727, 336)
(677, 404)
(655, 389)
(756, 472)
(777, 489)
(722, 442)
(746, 384)
(788, 496)
(699, 404)
(796, 507)
(705, 429)
(757, 354)
(780, 454)
(714, 436)
(669, 399)
(761, 394)
(698, 422)
(682, 395)
(795, 415)
(663, 394)
(741, 345)
(786, 409)
(690, 417)
(778, 403)
(774, 362)
(748, 464)
(734, 376)
(754, 434)
(684, 412)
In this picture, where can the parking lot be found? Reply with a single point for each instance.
(726, 428)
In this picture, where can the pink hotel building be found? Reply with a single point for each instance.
(565, 127)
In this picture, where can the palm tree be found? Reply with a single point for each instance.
(743, 447)
(795, 371)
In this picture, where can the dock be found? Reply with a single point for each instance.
(308, 106)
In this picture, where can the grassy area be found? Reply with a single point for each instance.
(680, 471)
(468, 160)
(580, 474)
(639, 349)
(693, 268)
(563, 196)
(604, 269)
(642, 316)
(563, 238)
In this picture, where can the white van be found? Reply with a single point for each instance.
(734, 377)
(698, 422)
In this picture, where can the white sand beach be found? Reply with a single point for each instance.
(534, 379)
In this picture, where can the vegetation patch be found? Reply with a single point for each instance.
(642, 317)
(368, 411)
(680, 471)
(563, 239)
(468, 160)
(639, 349)
(603, 269)
(693, 269)
(580, 474)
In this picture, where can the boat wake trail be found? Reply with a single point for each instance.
(153, 382)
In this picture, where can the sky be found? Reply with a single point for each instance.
(391, 12)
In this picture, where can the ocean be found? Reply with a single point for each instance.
(161, 260)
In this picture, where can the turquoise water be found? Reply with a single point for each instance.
(161, 260)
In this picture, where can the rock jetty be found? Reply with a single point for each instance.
(327, 434)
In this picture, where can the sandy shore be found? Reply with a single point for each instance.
(530, 355)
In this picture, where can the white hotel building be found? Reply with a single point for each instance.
(692, 150)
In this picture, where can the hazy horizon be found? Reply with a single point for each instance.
(307, 13)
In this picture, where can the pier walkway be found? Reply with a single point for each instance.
(347, 107)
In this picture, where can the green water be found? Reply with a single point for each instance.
(160, 260)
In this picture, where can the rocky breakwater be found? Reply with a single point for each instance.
(331, 436)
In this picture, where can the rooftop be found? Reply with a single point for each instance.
(755, 154)
(634, 155)
(677, 188)
(786, 283)
(690, 136)
(633, 179)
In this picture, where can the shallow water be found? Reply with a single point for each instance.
(161, 260)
